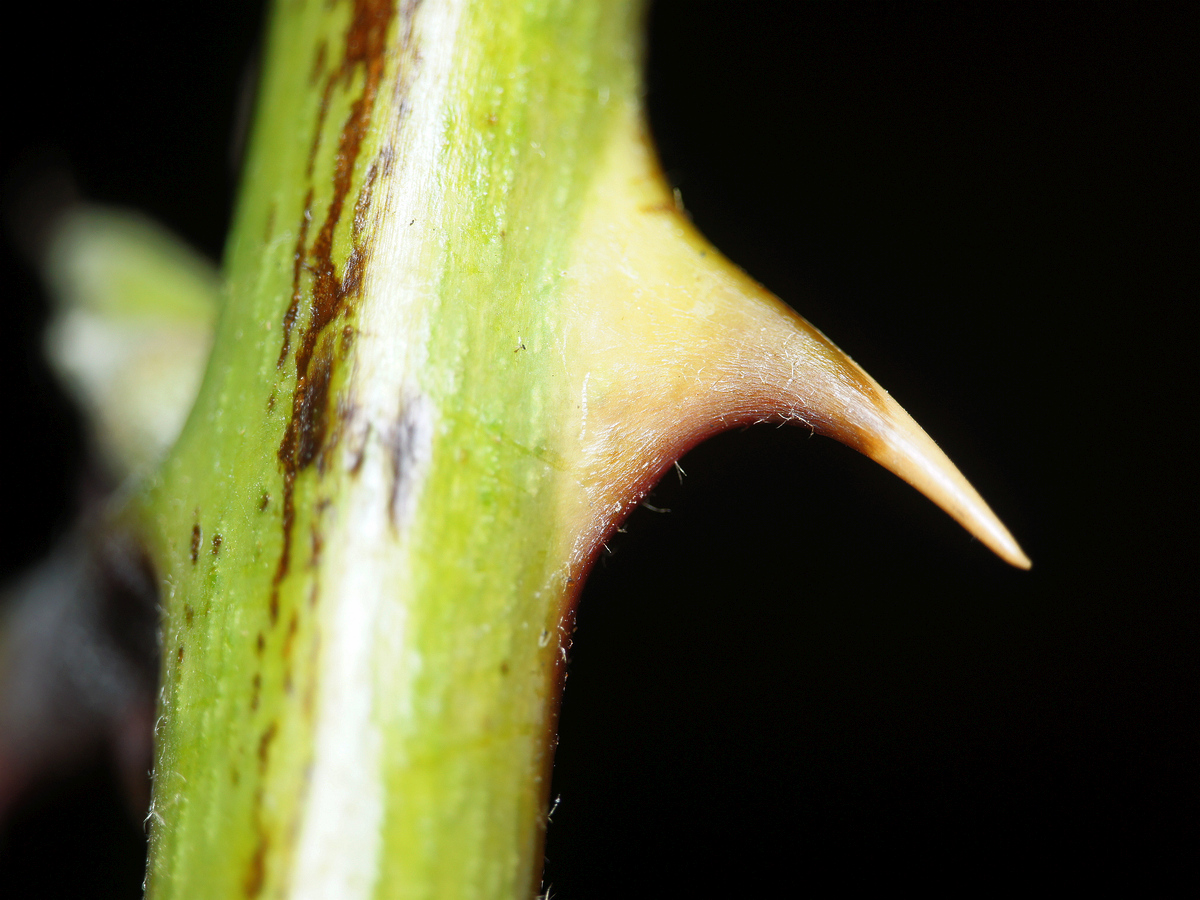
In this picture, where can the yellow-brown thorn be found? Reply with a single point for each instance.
(669, 342)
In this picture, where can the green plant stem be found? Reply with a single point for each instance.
(357, 529)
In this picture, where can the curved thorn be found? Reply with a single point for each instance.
(850, 406)
(683, 344)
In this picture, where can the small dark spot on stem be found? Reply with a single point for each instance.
(179, 654)
(264, 502)
(362, 206)
(195, 543)
(360, 451)
(217, 540)
(290, 636)
(260, 644)
(403, 448)
(298, 255)
(188, 614)
(352, 276)
(255, 689)
(264, 745)
(318, 544)
(319, 62)
(313, 410)
(256, 873)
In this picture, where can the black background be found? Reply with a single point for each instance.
(804, 671)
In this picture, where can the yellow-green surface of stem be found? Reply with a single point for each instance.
(357, 529)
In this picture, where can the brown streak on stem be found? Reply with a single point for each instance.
(307, 432)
